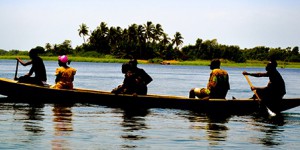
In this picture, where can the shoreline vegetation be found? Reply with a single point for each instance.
(150, 44)
(224, 63)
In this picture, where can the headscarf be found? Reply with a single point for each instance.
(63, 58)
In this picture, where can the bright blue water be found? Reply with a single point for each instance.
(97, 127)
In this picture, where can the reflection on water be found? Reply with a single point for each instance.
(216, 129)
(35, 116)
(214, 126)
(28, 126)
(138, 126)
(133, 122)
(32, 115)
(62, 126)
(271, 129)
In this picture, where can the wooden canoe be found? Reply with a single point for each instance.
(29, 93)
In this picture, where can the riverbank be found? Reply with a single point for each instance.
(248, 63)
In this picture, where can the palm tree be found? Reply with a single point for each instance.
(149, 27)
(165, 40)
(141, 39)
(132, 33)
(158, 32)
(48, 46)
(177, 40)
(114, 36)
(83, 30)
(141, 33)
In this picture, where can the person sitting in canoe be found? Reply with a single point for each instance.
(130, 83)
(135, 81)
(64, 74)
(217, 86)
(37, 67)
(143, 78)
(273, 93)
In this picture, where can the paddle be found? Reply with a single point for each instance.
(16, 73)
(254, 91)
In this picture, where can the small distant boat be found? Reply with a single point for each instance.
(165, 63)
(29, 93)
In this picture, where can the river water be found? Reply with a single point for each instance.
(79, 126)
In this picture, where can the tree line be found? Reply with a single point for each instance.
(149, 41)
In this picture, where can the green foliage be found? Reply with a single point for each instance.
(2, 52)
(155, 60)
(91, 54)
(149, 42)
(294, 58)
(277, 54)
(257, 53)
(210, 49)
(13, 53)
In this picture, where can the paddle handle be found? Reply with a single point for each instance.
(249, 82)
(271, 113)
(16, 73)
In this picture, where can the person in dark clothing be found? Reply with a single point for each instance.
(143, 78)
(38, 68)
(130, 84)
(273, 93)
(135, 80)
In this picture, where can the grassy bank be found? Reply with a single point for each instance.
(249, 63)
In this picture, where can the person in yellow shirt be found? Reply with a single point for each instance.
(64, 74)
(217, 86)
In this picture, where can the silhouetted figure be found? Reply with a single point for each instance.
(273, 93)
(38, 68)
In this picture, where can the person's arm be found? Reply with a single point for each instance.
(24, 63)
(257, 88)
(57, 74)
(57, 78)
(30, 72)
(259, 74)
(74, 72)
(256, 75)
(145, 76)
(227, 82)
(212, 82)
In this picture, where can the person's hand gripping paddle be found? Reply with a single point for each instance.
(254, 91)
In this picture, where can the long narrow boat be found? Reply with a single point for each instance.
(29, 93)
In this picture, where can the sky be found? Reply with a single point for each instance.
(26, 24)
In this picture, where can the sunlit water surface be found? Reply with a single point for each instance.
(78, 126)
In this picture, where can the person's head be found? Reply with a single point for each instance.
(129, 73)
(33, 53)
(272, 64)
(133, 63)
(125, 67)
(215, 63)
(63, 60)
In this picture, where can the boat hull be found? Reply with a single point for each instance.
(28, 93)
